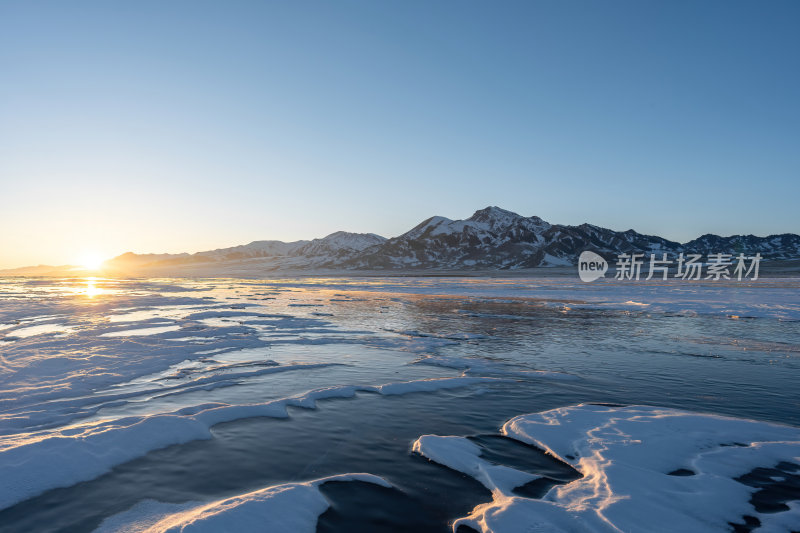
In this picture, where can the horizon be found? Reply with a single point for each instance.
(94, 261)
(193, 126)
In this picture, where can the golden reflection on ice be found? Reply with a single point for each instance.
(91, 289)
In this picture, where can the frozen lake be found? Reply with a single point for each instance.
(391, 404)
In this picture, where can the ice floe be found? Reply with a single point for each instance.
(644, 469)
(461, 454)
(285, 508)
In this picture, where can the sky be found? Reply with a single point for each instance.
(182, 126)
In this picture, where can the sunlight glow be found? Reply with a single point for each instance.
(91, 261)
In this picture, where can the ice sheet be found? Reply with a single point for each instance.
(628, 457)
(37, 461)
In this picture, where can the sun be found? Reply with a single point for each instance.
(91, 261)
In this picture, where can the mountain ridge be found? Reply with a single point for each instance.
(492, 238)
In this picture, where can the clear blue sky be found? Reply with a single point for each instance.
(185, 125)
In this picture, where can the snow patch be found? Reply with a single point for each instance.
(626, 456)
(140, 331)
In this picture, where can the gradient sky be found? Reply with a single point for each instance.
(186, 125)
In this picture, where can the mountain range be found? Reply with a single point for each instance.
(491, 239)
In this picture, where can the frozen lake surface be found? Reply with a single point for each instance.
(399, 404)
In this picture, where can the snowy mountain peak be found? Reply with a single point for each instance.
(495, 218)
(494, 215)
(351, 241)
(431, 224)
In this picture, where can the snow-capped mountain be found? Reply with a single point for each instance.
(492, 238)
(340, 245)
(784, 246)
(333, 249)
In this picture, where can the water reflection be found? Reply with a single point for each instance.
(91, 288)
